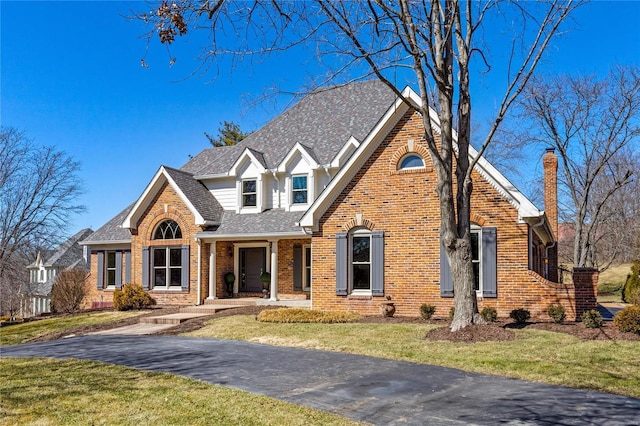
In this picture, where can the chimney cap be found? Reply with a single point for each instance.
(550, 149)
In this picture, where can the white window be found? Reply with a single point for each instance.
(110, 270)
(360, 257)
(167, 267)
(411, 161)
(299, 189)
(476, 256)
(306, 262)
(249, 193)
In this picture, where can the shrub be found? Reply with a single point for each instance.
(520, 315)
(132, 297)
(628, 319)
(557, 313)
(291, 315)
(489, 314)
(427, 311)
(68, 290)
(452, 312)
(592, 319)
(631, 289)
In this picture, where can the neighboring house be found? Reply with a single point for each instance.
(336, 199)
(48, 264)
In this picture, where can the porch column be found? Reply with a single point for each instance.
(274, 270)
(212, 271)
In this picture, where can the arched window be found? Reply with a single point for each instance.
(411, 161)
(167, 230)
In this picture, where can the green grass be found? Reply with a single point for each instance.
(21, 333)
(54, 392)
(556, 358)
(611, 281)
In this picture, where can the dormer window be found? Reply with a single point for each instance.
(299, 189)
(167, 230)
(249, 193)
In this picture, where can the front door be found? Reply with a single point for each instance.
(252, 265)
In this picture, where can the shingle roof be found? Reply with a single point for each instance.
(112, 230)
(322, 122)
(199, 196)
(275, 221)
(69, 252)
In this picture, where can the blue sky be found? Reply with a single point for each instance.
(71, 77)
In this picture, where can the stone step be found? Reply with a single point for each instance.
(171, 318)
(209, 309)
(234, 301)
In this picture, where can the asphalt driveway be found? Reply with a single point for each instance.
(373, 390)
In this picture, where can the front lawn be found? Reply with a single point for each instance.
(537, 355)
(22, 333)
(38, 391)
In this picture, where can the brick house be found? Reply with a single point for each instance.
(335, 200)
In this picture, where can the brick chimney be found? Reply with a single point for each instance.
(550, 164)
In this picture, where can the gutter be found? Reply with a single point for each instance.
(260, 236)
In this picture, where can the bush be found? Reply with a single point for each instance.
(290, 315)
(68, 290)
(631, 289)
(132, 297)
(520, 315)
(628, 319)
(427, 311)
(592, 319)
(489, 314)
(557, 313)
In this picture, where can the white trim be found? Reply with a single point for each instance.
(246, 154)
(306, 286)
(141, 204)
(338, 159)
(297, 148)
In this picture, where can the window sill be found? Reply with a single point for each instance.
(168, 290)
(353, 296)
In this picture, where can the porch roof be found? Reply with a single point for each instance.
(270, 223)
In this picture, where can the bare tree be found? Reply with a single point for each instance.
(594, 125)
(68, 290)
(434, 43)
(39, 187)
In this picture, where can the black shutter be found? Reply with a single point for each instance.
(377, 263)
(297, 267)
(341, 263)
(446, 282)
(185, 268)
(127, 269)
(100, 284)
(118, 269)
(145, 268)
(489, 263)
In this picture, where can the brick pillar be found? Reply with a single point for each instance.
(550, 165)
(585, 283)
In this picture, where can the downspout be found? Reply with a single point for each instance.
(275, 176)
(546, 258)
(326, 170)
(531, 241)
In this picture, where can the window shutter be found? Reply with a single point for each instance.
(100, 270)
(127, 269)
(185, 268)
(489, 263)
(377, 263)
(446, 282)
(341, 263)
(118, 269)
(145, 268)
(297, 268)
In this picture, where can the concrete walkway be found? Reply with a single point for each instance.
(372, 390)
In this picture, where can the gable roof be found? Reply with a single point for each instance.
(202, 204)
(526, 209)
(322, 122)
(67, 255)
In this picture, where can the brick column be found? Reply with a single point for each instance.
(550, 166)
(585, 283)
